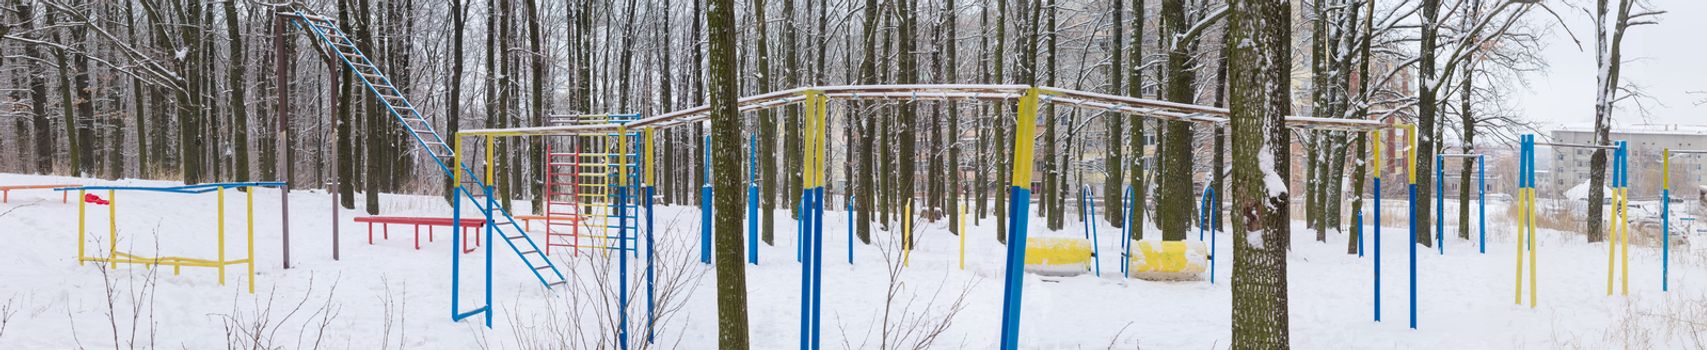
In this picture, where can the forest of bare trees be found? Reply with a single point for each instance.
(191, 91)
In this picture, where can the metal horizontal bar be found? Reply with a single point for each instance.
(1576, 145)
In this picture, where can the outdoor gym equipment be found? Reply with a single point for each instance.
(1411, 177)
(337, 46)
(1665, 213)
(1440, 199)
(1620, 230)
(114, 256)
(1028, 100)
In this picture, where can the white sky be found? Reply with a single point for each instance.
(1666, 61)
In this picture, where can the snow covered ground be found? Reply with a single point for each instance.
(389, 295)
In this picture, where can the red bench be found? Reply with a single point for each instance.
(6, 191)
(386, 221)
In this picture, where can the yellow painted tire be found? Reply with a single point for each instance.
(1057, 256)
(1169, 260)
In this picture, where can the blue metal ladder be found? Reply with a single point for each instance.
(326, 31)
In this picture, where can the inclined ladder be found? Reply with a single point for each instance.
(338, 44)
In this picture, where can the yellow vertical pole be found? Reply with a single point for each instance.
(907, 234)
(81, 234)
(649, 158)
(221, 223)
(962, 220)
(1522, 222)
(1533, 249)
(456, 162)
(112, 225)
(1624, 240)
(1025, 126)
(489, 145)
(249, 214)
(1612, 241)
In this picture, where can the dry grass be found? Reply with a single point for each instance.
(585, 315)
(258, 327)
(910, 319)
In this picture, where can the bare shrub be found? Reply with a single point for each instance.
(910, 319)
(584, 315)
(7, 310)
(257, 327)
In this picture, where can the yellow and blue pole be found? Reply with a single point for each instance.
(622, 234)
(1624, 216)
(1410, 173)
(1025, 125)
(650, 171)
(1665, 218)
(1375, 152)
(456, 217)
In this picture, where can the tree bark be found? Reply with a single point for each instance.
(1260, 102)
(726, 149)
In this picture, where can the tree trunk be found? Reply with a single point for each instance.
(239, 112)
(1260, 103)
(1427, 122)
(1135, 141)
(1174, 200)
(726, 149)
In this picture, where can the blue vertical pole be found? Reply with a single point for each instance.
(456, 253)
(850, 206)
(1413, 244)
(1482, 203)
(1214, 225)
(491, 206)
(705, 209)
(1018, 213)
(753, 202)
(1665, 215)
(806, 283)
(817, 265)
(1084, 223)
(1090, 222)
(1126, 236)
(1377, 247)
(622, 264)
(651, 313)
(1440, 204)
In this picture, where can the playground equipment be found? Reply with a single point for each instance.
(627, 173)
(1665, 212)
(6, 191)
(114, 256)
(1028, 98)
(1210, 219)
(1088, 219)
(1620, 230)
(1411, 176)
(462, 227)
(334, 43)
(1440, 199)
(1170, 260)
(1058, 256)
(581, 173)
